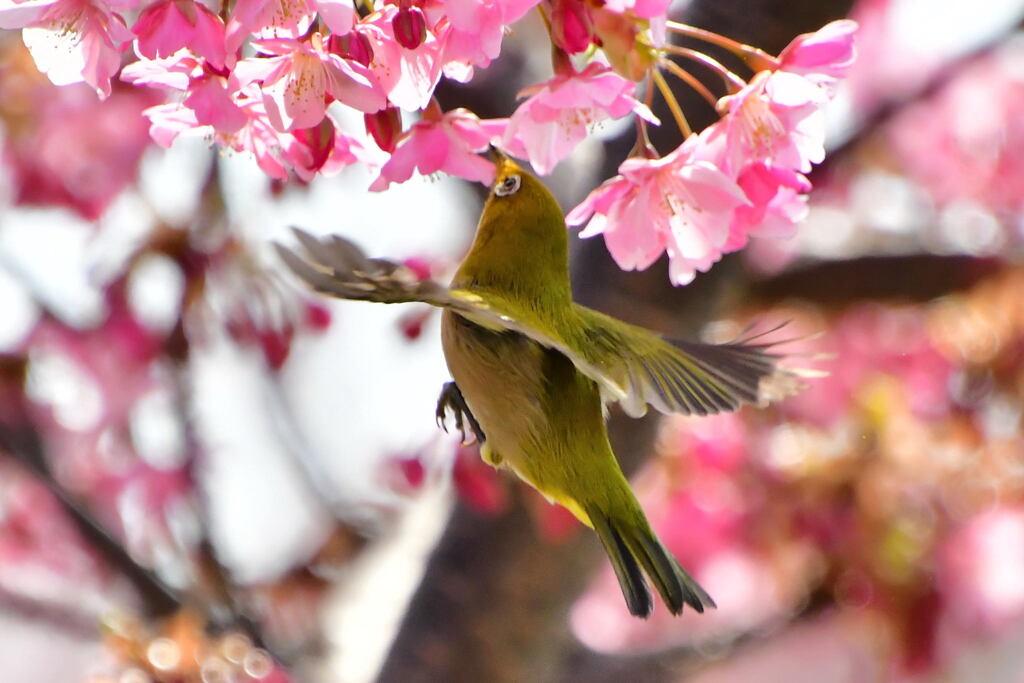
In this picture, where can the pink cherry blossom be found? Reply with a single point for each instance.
(209, 97)
(71, 41)
(407, 76)
(322, 150)
(674, 204)
(645, 9)
(167, 26)
(257, 136)
(299, 76)
(776, 195)
(823, 57)
(778, 201)
(777, 118)
(237, 116)
(174, 72)
(245, 128)
(168, 121)
(558, 113)
(475, 28)
(446, 144)
(268, 19)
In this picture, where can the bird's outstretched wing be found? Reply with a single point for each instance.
(690, 378)
(337, 267)
(632, 365)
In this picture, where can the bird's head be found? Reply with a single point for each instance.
(518, 199)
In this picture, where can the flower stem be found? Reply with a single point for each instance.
(756, 58)
(433, 111)
(643, 146)
(673, 105)
(691, 80)
(734, 81)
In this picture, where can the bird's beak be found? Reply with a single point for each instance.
(497, 155)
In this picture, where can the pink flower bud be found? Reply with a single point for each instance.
(421, 267)
(410, 27)
(318, 317)
(412, 323)
(319, 141)
(412, 471)
(385, 126)
(572, 27)
(352, 45)
(276, 345)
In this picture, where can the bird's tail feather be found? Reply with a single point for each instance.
(632, 547)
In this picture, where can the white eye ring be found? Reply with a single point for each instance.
(509, 185)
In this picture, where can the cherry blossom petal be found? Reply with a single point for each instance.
(15, 14)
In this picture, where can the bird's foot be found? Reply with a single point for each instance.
(451, 399)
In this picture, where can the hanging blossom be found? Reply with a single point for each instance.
(407, 67)
(743, 175)
(167, 26)
(298, 75)
(822, 57)
(261, 78)
(558, 114)
(269, 19)
(446, 143)
(472, 30)
(71, 41)
(677, 204)
(773, 130)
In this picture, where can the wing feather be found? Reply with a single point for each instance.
(630, 364)
(338, 267)
(680, 377)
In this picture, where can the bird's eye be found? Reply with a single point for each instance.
(509, 185)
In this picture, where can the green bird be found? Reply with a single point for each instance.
(533, 371)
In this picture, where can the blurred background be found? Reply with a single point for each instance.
(207, 473)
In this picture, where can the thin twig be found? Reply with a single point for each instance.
(755, 57)
(673, 105)
(690, 80)
(710, 62)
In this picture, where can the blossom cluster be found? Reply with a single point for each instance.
(743, 175)
(288, 80)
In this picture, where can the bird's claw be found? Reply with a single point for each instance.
(451, 399)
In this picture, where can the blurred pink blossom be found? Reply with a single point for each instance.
(77, 152)
(982, 566)
(479, 484)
